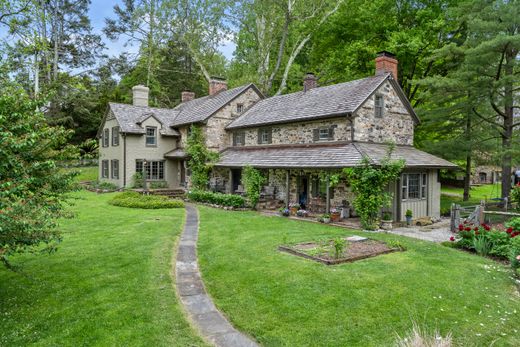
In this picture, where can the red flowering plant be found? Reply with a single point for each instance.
(497, 238)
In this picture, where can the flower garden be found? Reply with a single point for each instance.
(500, 241)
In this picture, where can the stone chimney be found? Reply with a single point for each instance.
(216, 85)
(386, 62)
(187, 96)
(309, 81)
(140, 95)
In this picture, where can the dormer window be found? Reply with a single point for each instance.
(151, 136)
(240, 108)
(379, 106)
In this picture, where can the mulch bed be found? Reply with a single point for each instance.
(324, 253)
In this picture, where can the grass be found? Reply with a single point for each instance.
(108, 284)
(477, 193)
(284, 300)
(86, 173)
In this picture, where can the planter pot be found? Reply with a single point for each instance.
(326, 220)
(293, 211)
(386, 224)
(408, 220)
(335, 217)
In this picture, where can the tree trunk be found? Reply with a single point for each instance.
(467, 174)
(507, 134)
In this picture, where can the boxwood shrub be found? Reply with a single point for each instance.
(137, 200)
(217, 198)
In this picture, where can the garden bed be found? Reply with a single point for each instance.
(356, 248)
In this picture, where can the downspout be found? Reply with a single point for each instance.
(351, 119)
(124, 160)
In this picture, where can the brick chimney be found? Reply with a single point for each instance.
(187, 96)
(309, 81)
(216, 85)
(140, 95)
(386, 62)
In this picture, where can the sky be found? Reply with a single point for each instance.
(101, 9)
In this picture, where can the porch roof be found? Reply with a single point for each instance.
(325, 156)
(176, 154)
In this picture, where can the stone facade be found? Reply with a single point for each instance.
(298, 133)
(396, 124)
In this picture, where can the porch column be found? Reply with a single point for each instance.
(287, 189)
(327, 203)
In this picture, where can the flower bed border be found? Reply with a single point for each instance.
(290, 250)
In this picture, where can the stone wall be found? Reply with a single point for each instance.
(395, 125)
(298, 133)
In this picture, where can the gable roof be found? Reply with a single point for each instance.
(326, 156)
(321, 102)
(129, 117)
(200, 109)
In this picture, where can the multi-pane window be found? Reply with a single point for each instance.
(151, 136)
(379, 105)
(239, 138)
(104, 168)
(115, 136)
(414, 186)
(154, 169)
(106, 137)
(240, 108)
(324, 134)
(115, 168)
(264, 136)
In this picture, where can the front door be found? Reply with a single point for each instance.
(236, 179)
(303, 191)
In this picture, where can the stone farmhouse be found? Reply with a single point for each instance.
(296, 139)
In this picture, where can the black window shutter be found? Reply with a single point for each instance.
(316, 135)
(315, 187)
(259, 136)
(331, 192)
(331, 133)
(269, 135)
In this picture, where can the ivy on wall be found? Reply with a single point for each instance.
(201, 159)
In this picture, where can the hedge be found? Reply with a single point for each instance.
(217, 198)
(137, 200)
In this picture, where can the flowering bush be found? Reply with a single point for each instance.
(284, 212)
(334, 210)
(498, 241)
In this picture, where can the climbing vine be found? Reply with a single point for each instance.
(369, 183)
(253, 181)
(201, 159)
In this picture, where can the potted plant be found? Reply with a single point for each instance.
(302, 213)
(335, 215)
(386, 221)
(294, 207)
(326, 218)
(284, 212)
(408, 216)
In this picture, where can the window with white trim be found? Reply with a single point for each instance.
(154, 169)
(151, 136)
(324, 134)
(379, 106)
(106, 137)
(115, 136)
(413, 186)
(104, 169)
(115, 168)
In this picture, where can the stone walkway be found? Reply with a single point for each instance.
(213, 326)
(437, 232)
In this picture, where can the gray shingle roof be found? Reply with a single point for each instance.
(325, 156)
(337, 99)
(129, 117)
(200, 109)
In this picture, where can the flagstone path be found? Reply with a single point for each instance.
(212, 325)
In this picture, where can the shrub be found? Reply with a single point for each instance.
(515, 196)
(396, 244)
(137, 180)
(217, 198)
(514, 253)
(157, 185)
(339, 244)
(104, 185)
(253, 181)
(137, 200)
(482, 245)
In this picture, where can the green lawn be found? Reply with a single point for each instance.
(109, 283)
(283, 300)
(86, 173)
(477, 193)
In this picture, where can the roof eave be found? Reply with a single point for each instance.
(300, 120)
